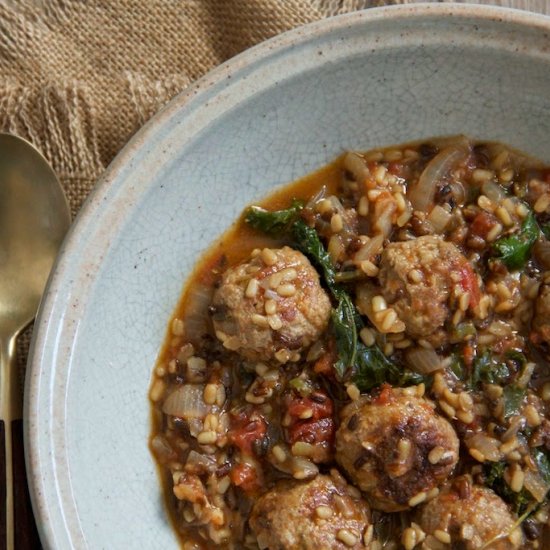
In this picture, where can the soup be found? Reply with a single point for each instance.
(362, 361)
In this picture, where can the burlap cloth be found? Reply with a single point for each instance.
(78, 78)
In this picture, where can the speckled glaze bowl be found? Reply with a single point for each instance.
(266, 117)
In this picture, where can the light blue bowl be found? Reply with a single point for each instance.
(268, 116)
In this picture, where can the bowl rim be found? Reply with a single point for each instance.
(42, 472)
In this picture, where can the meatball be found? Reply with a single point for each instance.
(540, 330)
(271, 306)
(394, 447)
(417, 278)
(320, 514)
(472, 515)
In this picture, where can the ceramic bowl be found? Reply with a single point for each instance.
(266, 117)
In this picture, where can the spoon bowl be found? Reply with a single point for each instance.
(34, 217)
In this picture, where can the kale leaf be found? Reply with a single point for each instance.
(344, 327)
(310, 244)
(545, 228)
(494, 478)
(515, 250)
(543, 463)
(275, 222)
(513, 400)
(487, 369)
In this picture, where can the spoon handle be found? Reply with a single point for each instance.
(17, 527)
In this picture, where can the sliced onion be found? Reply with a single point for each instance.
(422, 194)
(489, 447)
(356, 165)
(371, 248)
(526, 375)
(493, 191)
(336, 248)
(162, 448)
(204, 461)
(195, 426)
(319, 196)
(187, 401)
(542, 253)
(439, 218)
(424, 360)
(338, 208)
(384, 209)
(536, 485)
(196, 319)
(458, 192)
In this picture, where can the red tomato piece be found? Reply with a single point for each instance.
(312, 432)
(482, 224)
(468, 281)
(383, 396)
(315, 407)
(246, 432)
(244, 476)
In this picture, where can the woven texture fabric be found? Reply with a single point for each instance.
(80, 77)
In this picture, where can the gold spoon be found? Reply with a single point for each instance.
(34, 218)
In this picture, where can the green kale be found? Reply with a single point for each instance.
(276, 222)
(310, 244)
(486, 369)
(543, 463)
(344, 327)
(494, 478)
(457, 367)
(513, 400)
(517, 358)
(545, 228)
(302, 386)
(515, 250)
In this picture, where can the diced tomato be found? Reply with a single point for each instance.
(244, 476)
(315, 407)
(311, 419)
(246, 431)
(395, 168)
(482, 224)
(383, 396)
(468, 281)
(312, 432)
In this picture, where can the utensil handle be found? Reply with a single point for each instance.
(17, 526)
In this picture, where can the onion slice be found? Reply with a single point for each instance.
(370, 249)
(196, 320)
(439, 218)
(536, 485)
(424, 360)
(422, 194)
(489, 447)
(356, 165)
(493, 191)
(187, 402)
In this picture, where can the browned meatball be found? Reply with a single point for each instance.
(320, 514)
(394, 447)
(540, 330)
(271, 306)
(417, 278)
(472, 515)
